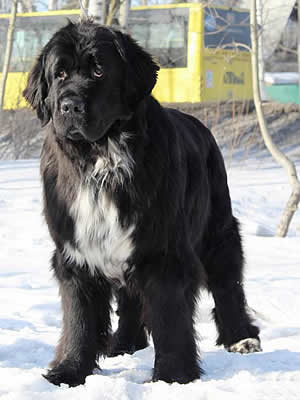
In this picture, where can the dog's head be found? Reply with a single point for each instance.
(89, 78)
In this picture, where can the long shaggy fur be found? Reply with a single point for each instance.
(137, 204)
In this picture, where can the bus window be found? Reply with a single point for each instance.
(163, 33)
(226, 28)
(31, 34)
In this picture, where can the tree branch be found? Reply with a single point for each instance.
(280, 157)
(8, 50)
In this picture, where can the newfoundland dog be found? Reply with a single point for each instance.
(137, 204)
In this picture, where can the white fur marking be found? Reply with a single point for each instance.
(101, 242)
(249, 345)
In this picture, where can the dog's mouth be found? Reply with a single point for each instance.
(78, 135)
(75, 135)
(98, 134)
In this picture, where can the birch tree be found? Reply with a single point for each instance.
(26, 5)
(298, 50)
(98, 10)
(52, 4)
(84, 8)
(279, 156)
(114, 6)
(124, 13)
(105, 12)
(8, 50)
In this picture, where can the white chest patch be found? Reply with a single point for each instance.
(101, 242)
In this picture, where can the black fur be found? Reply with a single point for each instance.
(175, 195)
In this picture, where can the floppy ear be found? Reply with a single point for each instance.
(36, 91)
(141, 68)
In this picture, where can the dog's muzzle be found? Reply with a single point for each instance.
(73, 107)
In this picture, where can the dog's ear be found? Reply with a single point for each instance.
(36, 90)
(141, 68)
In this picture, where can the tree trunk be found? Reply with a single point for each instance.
(298, 48)
(84, 8)
(124, 13)
(113, 8)
(52, 4)
(97, 10)
(260, 48)
(8, 50)
(26, 5)
(280, 157)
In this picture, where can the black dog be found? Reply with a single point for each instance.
(136, 201)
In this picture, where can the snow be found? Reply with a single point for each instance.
(281, 78)
(30, 315)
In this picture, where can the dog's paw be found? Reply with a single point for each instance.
(245, 346)
(176, 371)
(65, 373)
(178, 377)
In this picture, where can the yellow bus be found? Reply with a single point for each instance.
(203, 51)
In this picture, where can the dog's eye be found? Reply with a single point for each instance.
(98, 71)
(61, 74)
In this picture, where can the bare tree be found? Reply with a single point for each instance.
(124, 13)
(113, 7)
(105, 12)
(52, 4)
(84, 7)
(280, 157)
(298, 48)
(98, 10)
(26, 5)
(7, 56)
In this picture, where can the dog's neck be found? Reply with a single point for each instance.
(104, 165)
(115, 165)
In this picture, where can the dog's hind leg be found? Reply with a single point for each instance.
(131, 333)
(224, 266)
(86, 329)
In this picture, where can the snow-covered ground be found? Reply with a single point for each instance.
(30, 312)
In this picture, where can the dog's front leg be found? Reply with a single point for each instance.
(86, 324)
(171, 316)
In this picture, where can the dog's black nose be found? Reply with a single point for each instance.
(72, 106)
